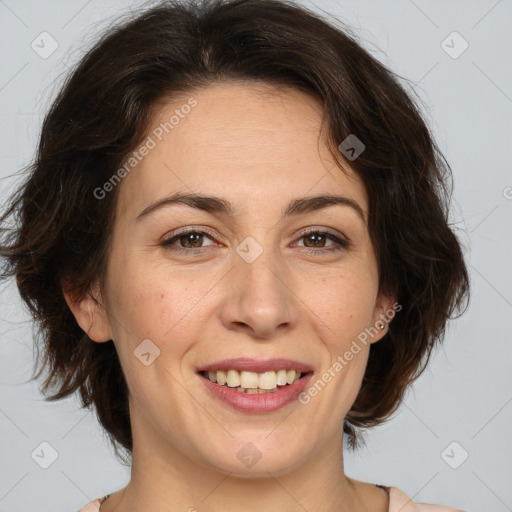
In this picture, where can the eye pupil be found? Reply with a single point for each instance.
(191, 242)
(189, 238)
(313, 236)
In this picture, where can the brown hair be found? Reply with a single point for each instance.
(102, 112)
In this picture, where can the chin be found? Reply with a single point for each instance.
(249, 461)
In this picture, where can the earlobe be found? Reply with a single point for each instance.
(89, 313)
(385, 310)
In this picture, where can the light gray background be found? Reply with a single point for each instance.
(464, 397)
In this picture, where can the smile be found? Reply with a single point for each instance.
(252, 382)
(250, 398)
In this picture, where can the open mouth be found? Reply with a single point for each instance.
(252, 382)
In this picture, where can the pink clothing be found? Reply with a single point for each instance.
(398, 502)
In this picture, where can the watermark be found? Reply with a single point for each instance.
(143, 150)
(249, 249)
(343, 360)
(454, 455)
(507, 193)
(44, 45)
(454, 45)
(351, 147)
(249, 454)
(44, 455)
(146, 352)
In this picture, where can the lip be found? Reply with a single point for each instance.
(256, 403)
(255, 365)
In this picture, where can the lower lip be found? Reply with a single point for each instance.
(257, 403)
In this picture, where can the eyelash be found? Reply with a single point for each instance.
(341, 244)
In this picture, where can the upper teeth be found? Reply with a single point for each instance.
(265, 380)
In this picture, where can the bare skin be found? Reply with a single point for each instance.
(258, 149)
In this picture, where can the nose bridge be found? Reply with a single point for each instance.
(260, 263)
(261, 298)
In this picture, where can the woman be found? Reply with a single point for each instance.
(235, 241)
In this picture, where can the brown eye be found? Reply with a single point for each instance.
(315, 242)
(188, 240)
(316, 239)
(194, 239)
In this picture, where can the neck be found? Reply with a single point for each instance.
(165, 478)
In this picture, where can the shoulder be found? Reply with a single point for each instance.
(92, 506)
(400, 502)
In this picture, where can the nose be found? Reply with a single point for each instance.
(260, 301)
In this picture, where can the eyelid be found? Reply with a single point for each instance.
(203, 229)
(185, 231)
(341, 242)
(339, 239)
(320, 229)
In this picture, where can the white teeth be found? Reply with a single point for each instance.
(252, 382)
(233, 379)
(267, 380)
(254, 391)
(281, 378)
(248, 379)
(292, 376)
(221, 377)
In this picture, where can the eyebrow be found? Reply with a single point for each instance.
(212, 204)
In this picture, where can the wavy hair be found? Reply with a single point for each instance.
(102, 112)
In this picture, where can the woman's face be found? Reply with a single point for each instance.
(247, 284)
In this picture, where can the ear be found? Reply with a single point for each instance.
(386, 307)
(89, 313)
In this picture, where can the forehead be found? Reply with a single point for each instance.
(248, 142)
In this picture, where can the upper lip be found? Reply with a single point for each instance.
(256, 365)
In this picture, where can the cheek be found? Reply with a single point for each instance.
(160, 306)
(344, 305)
(347, 306)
